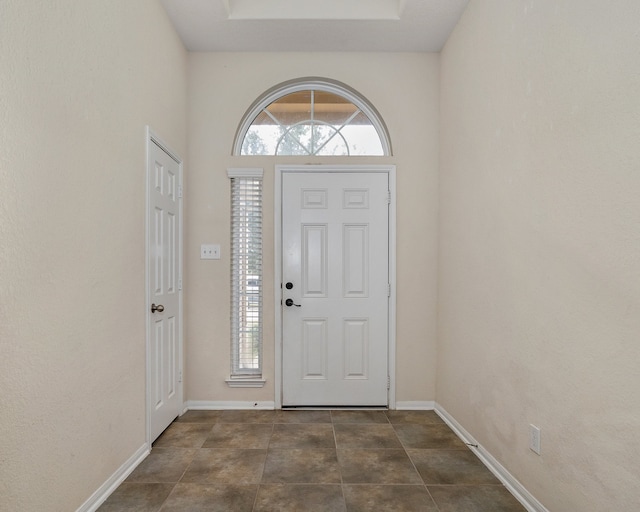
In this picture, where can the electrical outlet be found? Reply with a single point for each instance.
(210, 252)
(534, 438)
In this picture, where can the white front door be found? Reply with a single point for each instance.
(163, 294)
(335, 279)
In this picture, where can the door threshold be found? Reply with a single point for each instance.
(334, 407)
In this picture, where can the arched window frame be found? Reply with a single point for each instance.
(316, 84)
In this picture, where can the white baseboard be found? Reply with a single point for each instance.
(509, 481)
(105, 490)
(415, 405)
(204, 405)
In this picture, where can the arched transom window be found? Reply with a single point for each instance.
(312, 117)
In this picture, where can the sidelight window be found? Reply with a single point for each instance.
(246, 273)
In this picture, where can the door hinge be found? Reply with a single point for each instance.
(180, 192)
(179, 283)
(388, 196)
(388, 289)
(180, 376)
(388, 382)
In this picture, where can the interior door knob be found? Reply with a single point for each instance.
(289, 303)
(159, 308)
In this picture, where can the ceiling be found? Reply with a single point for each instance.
(314, 25)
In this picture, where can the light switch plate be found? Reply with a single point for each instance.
(210, 252)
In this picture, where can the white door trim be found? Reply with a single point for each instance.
(150, 138)
(279, 171)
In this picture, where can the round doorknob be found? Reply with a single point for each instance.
(159, 308)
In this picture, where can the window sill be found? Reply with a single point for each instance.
(255, 382)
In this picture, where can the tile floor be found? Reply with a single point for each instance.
(310, 461)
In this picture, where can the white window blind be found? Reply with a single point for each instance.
(246, 272)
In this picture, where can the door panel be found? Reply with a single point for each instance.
(335, 247)
(164, 290)
(356, 348)
(315, 348)
(355, 269)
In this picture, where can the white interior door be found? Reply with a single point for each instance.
(335, 273)
(164, 285)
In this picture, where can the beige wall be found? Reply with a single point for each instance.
(79, 81)
(539, 296)
(404, 88)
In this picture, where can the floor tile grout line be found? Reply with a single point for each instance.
(424, 484)
(335, 444)
(499, 484)
(266, 456)
(186, 469)
(167, 498)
